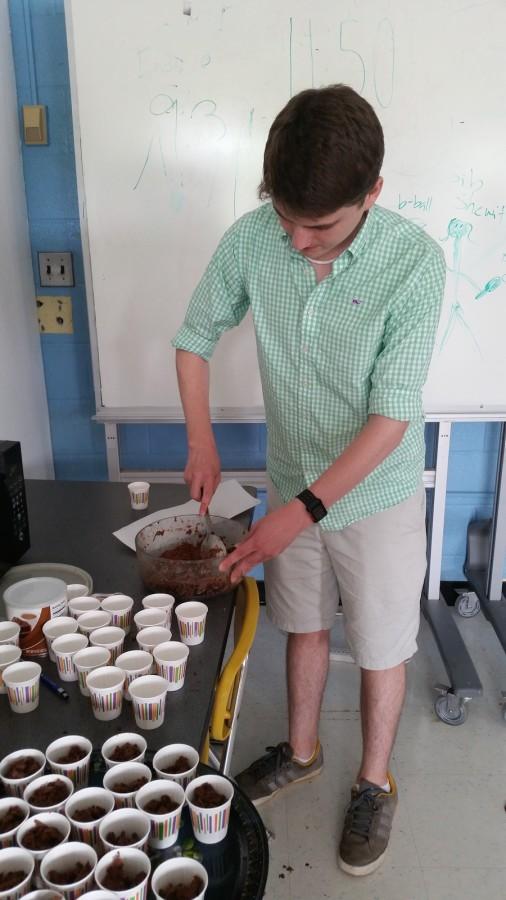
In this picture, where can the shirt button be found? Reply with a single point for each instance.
(305, 348)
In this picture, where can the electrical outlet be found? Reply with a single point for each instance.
(55, 269)
(55, 315)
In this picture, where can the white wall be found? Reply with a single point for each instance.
(23, 403)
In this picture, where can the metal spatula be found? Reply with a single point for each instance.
(212, 543)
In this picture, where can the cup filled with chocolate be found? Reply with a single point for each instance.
(85, 810)
(125, 747)
(162, 802)
(124, 780)
(48, 793)
(70, 756)
(125, 872)
(209, 798)
(16, 870)
(39, 835)
(13, 812)
(19, 768)
(124, 828)
(69, 869)
(180, 879)
(178, 762)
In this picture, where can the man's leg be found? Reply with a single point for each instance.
(307, 663)
(381, 699)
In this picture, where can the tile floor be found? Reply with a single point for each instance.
(449, 837)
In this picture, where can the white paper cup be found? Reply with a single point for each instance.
(64, 649)
(56, 628)
(134, 663)
(80, 605)
(106, 692)
(9, 654)
(30, 794)
(77, 590)
(128, 774)
(78, 772)
(120, 606)
(22, 680)
(119, 740)
(210, 825)
(164, 827)
(54, 820)
(191, 619)
(149, 638)
(180, 870)
(87, 832)
(160, 601)
(44, 894)
(132, 822)
(139, 494)
(150, 618)
(85, 661)
(13, 859)
(110, 637)
(63, 858)
(9, 633)
(98, 895)
(133, 861)
(170, 662)
(8, 836)
(148, 695)
(90, 621)
(15, 787)
(165, 758)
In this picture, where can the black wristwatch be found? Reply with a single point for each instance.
(313, 505)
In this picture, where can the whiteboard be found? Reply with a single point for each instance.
(172, 101)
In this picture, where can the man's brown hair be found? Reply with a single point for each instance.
(324, 151)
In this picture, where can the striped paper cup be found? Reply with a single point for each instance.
(22, 681)
(124, 780)
(85, 661)
(90, 621)
(149, 693)
(149, 638)
(110, 637)
(80, 605)
(9, 633)
(13, 859)
(169, 763)
(40, 804)
(85, 810)
(210, 824)
(63, 859)
(133, 862)
(15, 787)
(164, 602)
(50, 820)
(127, 741)
(170, 662)
(106, 692)
(79, 771)
(14, 807)
(125, 827)
(164, 826)
(64, 649)
(120, 608)
(191, 619)
(9, 654)
(56, 628)
(180, 870)
(44, 894)
(134, 663)
(150, 618)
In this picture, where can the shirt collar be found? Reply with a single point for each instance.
(358, 243)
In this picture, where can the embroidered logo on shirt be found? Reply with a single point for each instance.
(356, 301)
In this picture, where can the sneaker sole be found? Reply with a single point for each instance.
(304, 779)
(361, 870)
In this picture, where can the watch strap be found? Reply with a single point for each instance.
(313, 504)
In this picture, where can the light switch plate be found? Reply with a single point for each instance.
(55, 269)
(55, 315)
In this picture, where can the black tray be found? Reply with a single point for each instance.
(238, 865)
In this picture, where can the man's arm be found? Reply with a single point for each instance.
(269, 537)
(202, 471)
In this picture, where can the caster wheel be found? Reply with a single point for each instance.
(467, 605)
(449, 710)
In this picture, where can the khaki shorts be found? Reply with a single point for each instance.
(376, 566)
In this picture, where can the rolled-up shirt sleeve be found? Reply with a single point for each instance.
(219, 302)
(400, 370)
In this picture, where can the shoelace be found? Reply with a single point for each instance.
(360, 813)
(274, 760)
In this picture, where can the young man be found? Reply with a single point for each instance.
(345, 298)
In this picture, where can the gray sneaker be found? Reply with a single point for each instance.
(275, 770)
(367, 827)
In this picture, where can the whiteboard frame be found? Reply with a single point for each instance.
(111, 416)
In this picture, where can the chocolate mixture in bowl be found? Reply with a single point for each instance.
(11, 819)
(206, 797)
(125, 752)
(42, 837)
(49, 794)
(190, 552)
(22, 767)
(116, 879)
(182, 891)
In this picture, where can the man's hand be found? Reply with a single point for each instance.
(202, 474)
(269, 537)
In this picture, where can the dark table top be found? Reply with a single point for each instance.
(72, 523)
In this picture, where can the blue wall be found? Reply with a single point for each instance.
(41, 63)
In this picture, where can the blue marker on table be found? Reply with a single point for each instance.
(55, 688)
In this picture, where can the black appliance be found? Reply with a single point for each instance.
(14, 534)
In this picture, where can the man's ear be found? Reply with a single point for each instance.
(373, 194)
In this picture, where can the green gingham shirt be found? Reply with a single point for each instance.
(330, 354)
